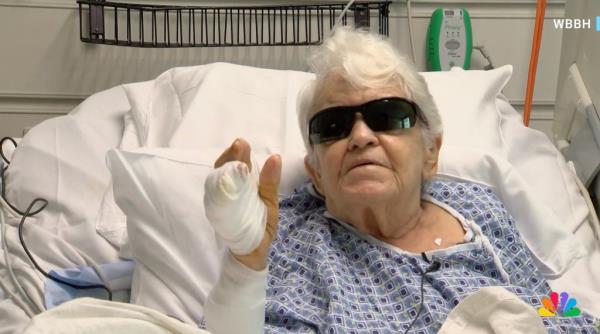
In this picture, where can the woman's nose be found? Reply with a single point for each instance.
(361, 135)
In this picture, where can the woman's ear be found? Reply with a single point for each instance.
(432, 155)
(315, 177)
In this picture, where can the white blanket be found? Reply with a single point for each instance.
(87, 316)
(493, 310)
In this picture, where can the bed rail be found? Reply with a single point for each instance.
(162, 26)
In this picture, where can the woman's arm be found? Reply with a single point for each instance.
(237, 303)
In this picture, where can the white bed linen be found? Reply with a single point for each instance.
(490, 145)
(178, 258)
(62, 160)
(581, 280)
(493, 310)
(537, 160)
(93, 316)
(13, 319)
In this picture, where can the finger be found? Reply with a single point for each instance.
(244, 149)
(269, 179)
(238, 151)
(226, 156)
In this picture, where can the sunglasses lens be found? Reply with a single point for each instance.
(331, 124)
(380, 115)
(391, 114)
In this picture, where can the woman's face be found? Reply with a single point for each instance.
(369, 166)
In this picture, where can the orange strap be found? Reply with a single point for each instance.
(535, 51)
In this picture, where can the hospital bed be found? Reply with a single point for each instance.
(63, 161)
(192, 114)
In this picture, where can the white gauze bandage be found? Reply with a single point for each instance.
(233, 206)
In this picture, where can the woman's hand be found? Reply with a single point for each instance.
(268, 187)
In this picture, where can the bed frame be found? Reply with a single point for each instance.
(576, 126)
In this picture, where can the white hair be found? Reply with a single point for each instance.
(365, 60)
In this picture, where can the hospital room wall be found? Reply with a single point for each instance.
(45, 70)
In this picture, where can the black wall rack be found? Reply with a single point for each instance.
(162, 26)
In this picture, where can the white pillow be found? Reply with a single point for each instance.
(554, 248)
(483, 145)
(539, 162)
(207, 107)
(178, 258)
(466, 101)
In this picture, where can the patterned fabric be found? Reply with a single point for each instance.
(327, 278)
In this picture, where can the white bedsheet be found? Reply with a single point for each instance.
(62, 160)
(13, 319)
(582, 280)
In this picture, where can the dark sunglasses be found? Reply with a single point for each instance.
(390, 113)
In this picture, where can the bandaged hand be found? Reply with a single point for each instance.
(233, 207)
(242, 205)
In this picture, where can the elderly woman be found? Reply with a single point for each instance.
(375, 242)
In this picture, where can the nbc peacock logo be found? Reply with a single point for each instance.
(564, 308)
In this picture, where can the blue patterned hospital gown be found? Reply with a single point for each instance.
(325, 278)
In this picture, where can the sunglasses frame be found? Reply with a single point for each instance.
(416, 109)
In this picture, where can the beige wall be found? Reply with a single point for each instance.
(45, 70)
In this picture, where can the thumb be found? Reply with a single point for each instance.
(268, 182)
